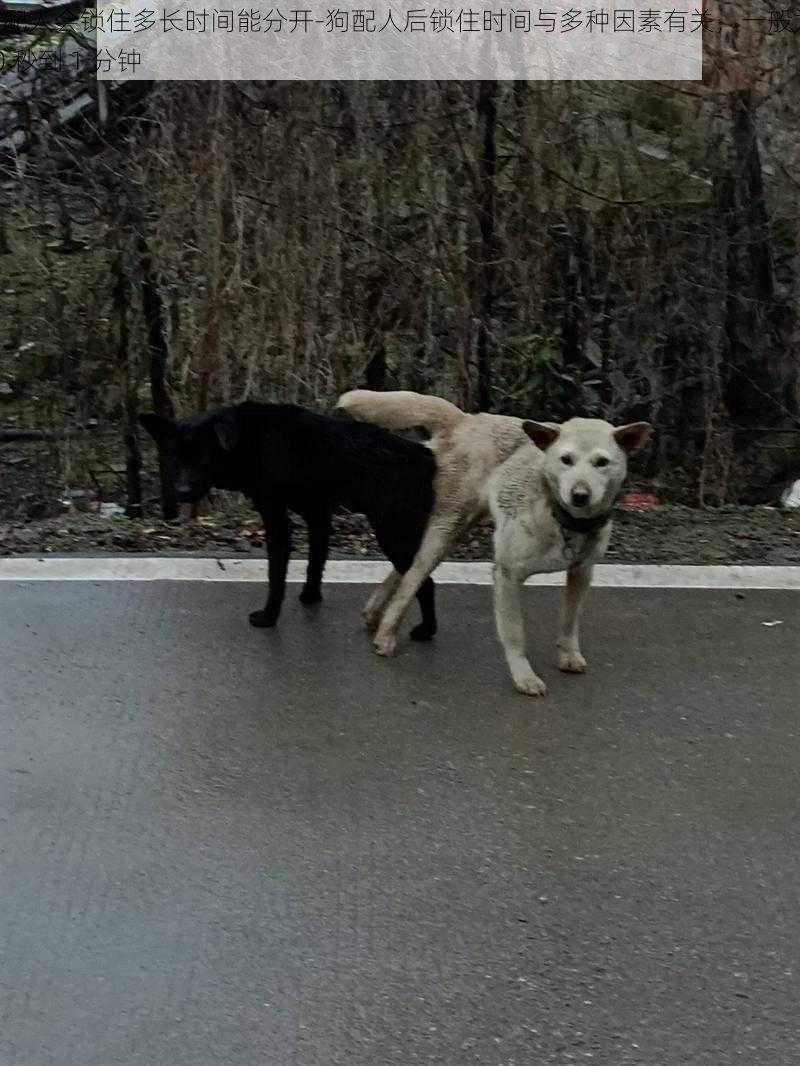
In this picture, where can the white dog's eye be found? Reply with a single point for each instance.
(602, 460)
(567, 460)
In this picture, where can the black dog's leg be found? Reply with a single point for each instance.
(319, 532)
(426, 599)
(278, 532)
(399, 545)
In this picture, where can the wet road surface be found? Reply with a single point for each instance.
(227, 846)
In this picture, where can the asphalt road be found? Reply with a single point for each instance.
(228, 846)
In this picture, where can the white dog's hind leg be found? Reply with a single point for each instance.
(511, 631)
(430, 553)
(373, 608)
(569, 653)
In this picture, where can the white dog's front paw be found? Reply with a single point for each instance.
(571, 662)
(385, 643)
(530, 683)
(372, 617)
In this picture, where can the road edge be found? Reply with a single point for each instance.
(368, 572)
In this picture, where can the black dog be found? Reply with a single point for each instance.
(286, 458)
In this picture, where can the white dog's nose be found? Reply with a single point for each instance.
(579, 497)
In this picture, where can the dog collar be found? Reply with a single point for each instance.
(578, 525)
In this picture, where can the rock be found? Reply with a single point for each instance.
(111, 510)
(26, 536)
(83, 500)
(791, 496)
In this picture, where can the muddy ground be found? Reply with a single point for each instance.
(44, 494)
(656, 534)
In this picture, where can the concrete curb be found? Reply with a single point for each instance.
(368, 572)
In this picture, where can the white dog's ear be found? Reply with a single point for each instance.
(543, 434)
(633, 437)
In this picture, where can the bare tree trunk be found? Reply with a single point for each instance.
(487, 171)
(5, 246)
(748, 373)
(133, 456)
(152, 308)
(374, 335)
(209, 355)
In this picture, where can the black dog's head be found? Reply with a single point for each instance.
(196, 450)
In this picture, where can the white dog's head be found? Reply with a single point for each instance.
(585, 460)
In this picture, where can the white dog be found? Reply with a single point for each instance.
(551, 502)
(468, 449)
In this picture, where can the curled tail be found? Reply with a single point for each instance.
(401, 410)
